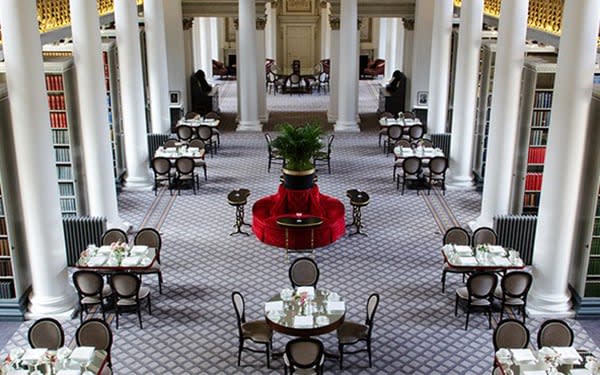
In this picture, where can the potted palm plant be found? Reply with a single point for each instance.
(297, 145)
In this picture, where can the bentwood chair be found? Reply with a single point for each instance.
(130, 295)
(96, 333)
(394, 133)
(454, 236)
(304, 272)
(408, 115)
(411, 168)
(555, 332)
(207, 134)
(324, 157)
(170, 143)
(274, 155)
(46, 333)
(436, 173)
(184, 132)
(305, 355)
(214, 116)
(477, 295)
(513, 291)
(403, 143)
(91, 291)
(151, 238)
(509, 334)
(161, 167)
(257, 331)
(383, 131)
(350, 333)
(186, 173)
(415, 132)
(483, 236)
(192, 115)
(113, 235)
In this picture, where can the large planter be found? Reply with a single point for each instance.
(298, 180)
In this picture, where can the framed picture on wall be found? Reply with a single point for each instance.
(298, 6)
(422, 97)
(230, 29)
(175, 97)
(366, 30)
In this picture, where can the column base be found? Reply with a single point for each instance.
(481, 221)
(137, 183)
(550, 305)
(455, 182)
(332, 117)
(264, 118)
(346, 127)
(60, 307)
(249, 126)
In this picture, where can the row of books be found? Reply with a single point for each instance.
(543, 99)
(54, 82)
(68, 204)
(5, 267)
(530, 200)
(4, 247)
(540, 119)
(60, 137)
(3, 226)
(64, 172)
(595, 246)
(56, 102)
(6, 289)
(63, 155)
(536, 155)
(597, 227)
(58, 120)
(594, 267)
(538, 137)
(533, 181)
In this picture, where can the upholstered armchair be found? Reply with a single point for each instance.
(375, 68)
(219, 68)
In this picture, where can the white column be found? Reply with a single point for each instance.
(132, 94)
(334, 70)
(175, 49)
(205, 46)
(407, 58)
(214, 37)
(384, 37)
(510, 56)
(246, 67)
(271, 32)
(564, 177)
(95, 133)
(463, 115)
(347, 108)
(261, 95)
(38, 185)
(392, 45)
(439, 73)
(156, 52)
(399, 51)
(423, 26)
(197, 44)
(325, 31)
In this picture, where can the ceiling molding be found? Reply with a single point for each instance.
(380, 8)
(220, 8)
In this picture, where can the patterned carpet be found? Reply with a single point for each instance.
(193, 330)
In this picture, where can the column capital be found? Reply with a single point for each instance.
(359, 23)
(409, 23)
(261, 22)
(334, 22)
(323, 4)
(274, 4)
(187, 23)
(236, 23)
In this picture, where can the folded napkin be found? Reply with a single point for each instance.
(139, 250)
(501, 261)
(534, 372)
(171, 149)
(467, 261)
(33, 354)
(523, 355)
(193, 149)
(96, 261)
(308, 289)
(336, 306)
(274, 306)
(495, 249)
(567, 353)
(68, 372)
(104, 250)
(303, 321)
(579, 371)
(463, 250)
(130, 261)
(22, 372)
(82, 353)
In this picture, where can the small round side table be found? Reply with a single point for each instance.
(238, 199)
(358, 199)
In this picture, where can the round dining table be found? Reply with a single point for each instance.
(324, 320)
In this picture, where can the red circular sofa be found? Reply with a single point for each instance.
(286, 202)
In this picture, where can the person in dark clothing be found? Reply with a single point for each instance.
(200, 87)
(397, 80)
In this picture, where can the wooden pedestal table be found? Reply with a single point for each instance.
(238, 198)
(358, 199)
(300, 222)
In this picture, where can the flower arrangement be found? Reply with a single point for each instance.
(119, 250)
(593, 365)
(302, 298)
(550, 358)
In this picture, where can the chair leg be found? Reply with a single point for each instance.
(329, 165)
(139, 314)
(149, 305)
(490, 318)
(456, 306)
(240, 348)
(269, 355)
(117, 316)
(369, 352)
(341, 349)
(160, 281)
(205, 176)
(269, 165)
(443, 281)
(467, 321)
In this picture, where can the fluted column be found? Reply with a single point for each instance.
(261, 95)
(132, 94)
(383, 42)
(408, 31)
(463, 115)
(347, 108)
(325, 30)
(158, 77)
(246, 67)
(271, 31)
(215, 48)
(95, 132)
(564, 176)
(439, 67)
(37, 180)
(203, 44)
(510, 56)
(334, 66)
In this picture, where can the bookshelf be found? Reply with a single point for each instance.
(484, 100)
(14, 274)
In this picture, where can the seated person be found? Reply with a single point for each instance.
(397, 82)
(200, 88)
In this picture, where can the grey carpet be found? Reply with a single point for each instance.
(192, 329)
